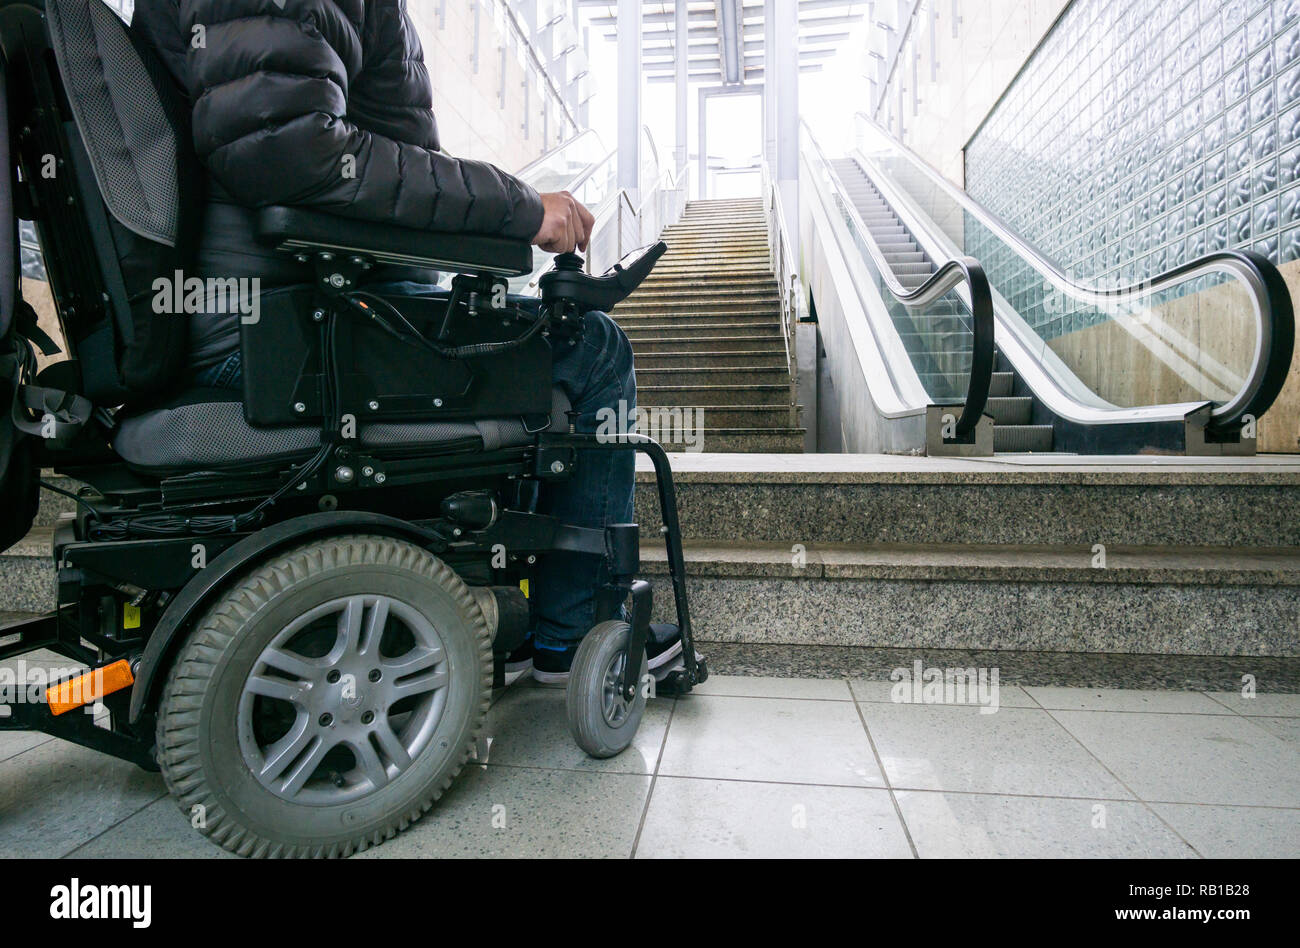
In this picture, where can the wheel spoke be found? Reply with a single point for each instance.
(307, 766)
(286, 750)
(391, 744)
(415, 685)
(290, 663)
(374, 628)
(369, 762)
(295, 692)
(350, 623)
(418, 659)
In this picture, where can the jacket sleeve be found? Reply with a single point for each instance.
(270, 81)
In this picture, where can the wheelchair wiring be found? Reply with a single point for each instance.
(367, 303)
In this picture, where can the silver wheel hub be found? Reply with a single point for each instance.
(342, 700)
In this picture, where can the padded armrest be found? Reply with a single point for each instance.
(295, 229)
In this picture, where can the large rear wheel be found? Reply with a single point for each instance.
(326, 700)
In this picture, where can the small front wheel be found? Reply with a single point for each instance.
(602, 720)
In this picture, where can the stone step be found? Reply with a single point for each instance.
(713, 396)
(647, 344)
(752, 440)
(714, 242)
(714, 375)
(751, 293)
(641, 331)
(717, 278)
(27, 570)
(1048, 501)
(753, 417)
(721, 230)
(641, 319)
(711, 358)
(707, 270)
(764, 308)
(719, 258)
(1157, 600)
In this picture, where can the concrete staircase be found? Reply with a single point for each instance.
(706, 329)
(1104, 557)
(1132, 556)
(938, 339)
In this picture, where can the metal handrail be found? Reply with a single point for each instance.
(784, 268)
(567, 143)
(1273, 308)
(951, 274)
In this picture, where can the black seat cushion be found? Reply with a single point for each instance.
(206, 428)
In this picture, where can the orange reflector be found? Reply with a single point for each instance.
(90, 687)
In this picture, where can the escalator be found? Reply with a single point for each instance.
(1183, 362)
(1012, 414)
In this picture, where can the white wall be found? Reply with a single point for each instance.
(471, 120)
(994, 40)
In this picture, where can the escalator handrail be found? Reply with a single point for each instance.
(1275, 332)
(949, 275)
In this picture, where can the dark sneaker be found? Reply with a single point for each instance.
(664, 650)
(519, 662)
(551, 665)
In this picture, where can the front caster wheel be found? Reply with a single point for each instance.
(603, 722)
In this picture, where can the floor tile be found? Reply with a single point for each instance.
(516, 812)
(822, 689)
(1235, 832)
(1272, 705)
(879, 692)
(1124, 699)
(159, 831)
(529, 727)
(13, 743)
(58, 796)
(1191, 758)
(1017, 750)
(772, 739)
(1286, 728)
(691, 819)
(977, 826)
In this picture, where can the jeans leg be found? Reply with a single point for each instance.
(595, 374)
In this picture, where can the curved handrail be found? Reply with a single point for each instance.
(1274, 310)
(567, 143)
(951, 273)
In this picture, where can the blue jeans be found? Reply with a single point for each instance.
(595, 374)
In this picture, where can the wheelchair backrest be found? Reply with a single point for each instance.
(100, 137)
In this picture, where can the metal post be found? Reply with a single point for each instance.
(680, 79)
(786, 87)
(769, 83)
(629, 98)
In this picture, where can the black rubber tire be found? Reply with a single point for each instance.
(585, 695)
(198, 747)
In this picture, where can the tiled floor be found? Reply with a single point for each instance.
(756, 767)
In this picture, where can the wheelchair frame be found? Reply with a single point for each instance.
(134, 600)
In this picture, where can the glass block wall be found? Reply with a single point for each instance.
(1145, 133)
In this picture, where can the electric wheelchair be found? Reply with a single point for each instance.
(295, 601)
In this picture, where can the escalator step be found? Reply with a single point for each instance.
(1022, 438)
(1015, 411)
(1003, 384)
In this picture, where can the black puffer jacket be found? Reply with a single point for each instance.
(318, 103)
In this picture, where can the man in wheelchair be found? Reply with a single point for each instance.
(317, 532)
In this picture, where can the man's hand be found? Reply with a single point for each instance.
(566, 224)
